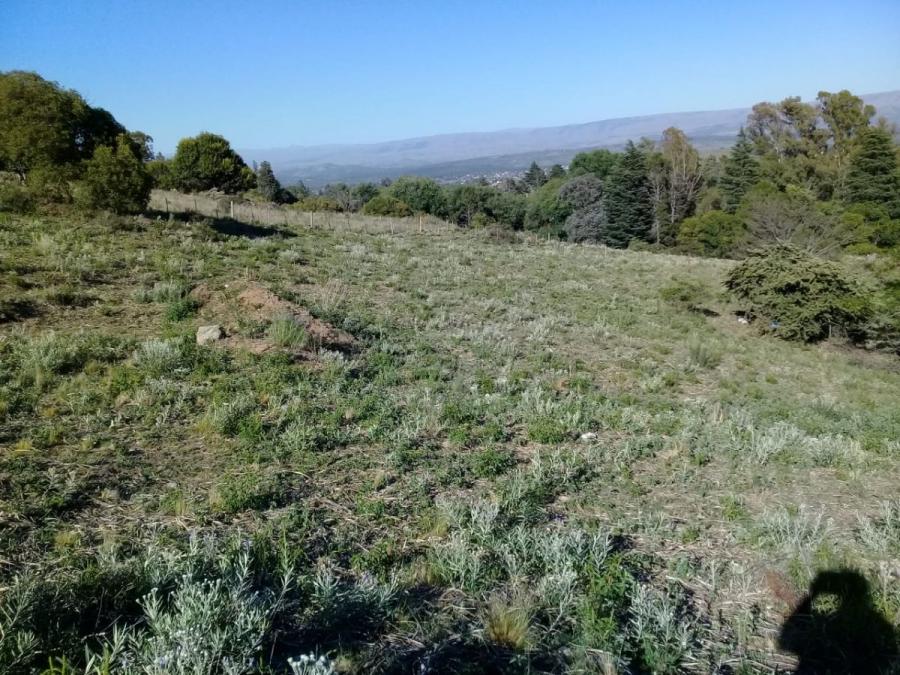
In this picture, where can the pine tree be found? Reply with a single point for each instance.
(627, 201)
(266, 183)
(873, 171)
(535, 176)
(740, 173)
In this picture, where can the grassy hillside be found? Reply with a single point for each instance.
(438, 452)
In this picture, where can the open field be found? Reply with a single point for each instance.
(442, 452)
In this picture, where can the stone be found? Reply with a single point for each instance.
(588, 436)
(207, 334)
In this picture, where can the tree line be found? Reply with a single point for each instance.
(821, 175)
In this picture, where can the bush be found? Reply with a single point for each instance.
(385, 205)
(587, 225)
(799, 296)
(714, 234)
(116, 180)
(14, 195)
(207, 162)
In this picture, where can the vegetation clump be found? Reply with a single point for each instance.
(798, 296)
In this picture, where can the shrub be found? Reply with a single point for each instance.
(14, 196)
(116, 180)
(714, 234)
(385, 205)
(799, 296)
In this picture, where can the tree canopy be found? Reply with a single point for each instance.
(207, 162)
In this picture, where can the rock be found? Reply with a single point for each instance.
(207, 334)
(588, 436)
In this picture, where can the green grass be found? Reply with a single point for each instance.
(534, 457)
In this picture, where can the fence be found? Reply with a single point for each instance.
(284, 216)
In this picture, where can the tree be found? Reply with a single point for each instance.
(792, 218)
(362, 194)
(116, 180)
(683, 180)
(207, 162)
(872, 176)
(556, 171)
(597, 162)
(582, 192)
(465, 201)
(160, 171)
(141, 145)
(385, 205)
(508, 208)
(534, 177)
(714, 234)
(739, 174)
(422, 195)
(266, 184)
(846, 117)
(789, 140)
(545, 210)
(45, 126)
(588, 225)
(627, 199)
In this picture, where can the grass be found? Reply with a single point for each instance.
(534, 457)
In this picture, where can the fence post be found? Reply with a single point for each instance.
(232, 210)
(195, 206)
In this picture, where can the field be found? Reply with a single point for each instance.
(429, 452)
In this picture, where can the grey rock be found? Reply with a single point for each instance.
(207, 334)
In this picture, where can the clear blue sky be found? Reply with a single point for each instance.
(268, 74)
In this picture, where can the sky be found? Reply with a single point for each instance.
(273, 74)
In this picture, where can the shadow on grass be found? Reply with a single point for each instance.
(836, 629)
(227, 226)
(16, 310)
(236, 228)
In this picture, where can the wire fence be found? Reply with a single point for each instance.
(273, 215)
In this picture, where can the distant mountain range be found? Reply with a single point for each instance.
(452, 157)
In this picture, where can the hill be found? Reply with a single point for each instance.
(457, 451)
(449, 156)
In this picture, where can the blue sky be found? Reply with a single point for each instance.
(268, 74)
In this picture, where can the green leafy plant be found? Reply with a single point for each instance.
(798, 296)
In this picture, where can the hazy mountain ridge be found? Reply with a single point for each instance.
(450, 156)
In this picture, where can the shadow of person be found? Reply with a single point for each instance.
(835, 629)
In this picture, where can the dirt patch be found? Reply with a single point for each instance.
(236, 304)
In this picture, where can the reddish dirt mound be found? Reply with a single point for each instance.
(254, 302)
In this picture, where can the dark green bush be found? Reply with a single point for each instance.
(798, 296)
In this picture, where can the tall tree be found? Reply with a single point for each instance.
(535, 176)
(872, 176)
(598, 162)
(45, 126)
(627, 200)
(789, 140)
(683, 181)
(846, 117)
(739, 174)
(266, 183)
